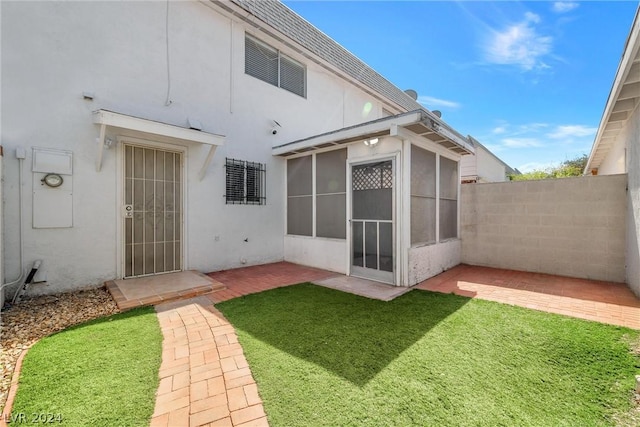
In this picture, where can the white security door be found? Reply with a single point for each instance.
(152, 211)
(372, 228)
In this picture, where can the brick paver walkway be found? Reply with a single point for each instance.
(204, 378)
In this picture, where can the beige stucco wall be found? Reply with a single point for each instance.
(571, 227)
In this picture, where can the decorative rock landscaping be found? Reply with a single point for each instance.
(34, 318)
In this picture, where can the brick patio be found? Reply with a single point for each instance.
(205, 379)
(605, 302)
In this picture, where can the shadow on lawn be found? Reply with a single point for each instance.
(351, 336)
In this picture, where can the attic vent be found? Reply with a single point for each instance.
(269, 65)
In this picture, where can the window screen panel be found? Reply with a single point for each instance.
(299, 176)
(292, 76)
(331, 175)
(373, 204)
(299, 219)
(423, 196)
(331, 216)
(423, 220)
(448, 219)
(448, 179)
(331, 194)
(261, 61)
(385, 236)
(300, 198)
(357, 242)
(371, 245)
(423, 172)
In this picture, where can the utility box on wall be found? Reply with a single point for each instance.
(52, 188)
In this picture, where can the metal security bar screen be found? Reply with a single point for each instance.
(153, 191)
(245, 182)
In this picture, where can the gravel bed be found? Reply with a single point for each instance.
(37, 317)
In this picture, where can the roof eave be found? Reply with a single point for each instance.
(622, 101)
(417, 122)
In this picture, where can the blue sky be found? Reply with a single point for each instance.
(527, 79)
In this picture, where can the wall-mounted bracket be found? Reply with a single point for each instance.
(100, 141)
(207, 162)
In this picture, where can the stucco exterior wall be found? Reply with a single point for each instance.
(483, 165)
(633, 202)
(614, 163)
(571, 227)
(468, 165)
(328, 254)
(429, 260)
(64, 49)
(490, 169)
(2, 278)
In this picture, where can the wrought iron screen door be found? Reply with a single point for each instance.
(152, 211)
(372, 221)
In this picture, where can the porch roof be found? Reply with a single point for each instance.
(153, 127)
(419, 122)
(157, 130)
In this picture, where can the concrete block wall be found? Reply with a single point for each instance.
(570, 227)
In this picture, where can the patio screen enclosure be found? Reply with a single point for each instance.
(358, 201)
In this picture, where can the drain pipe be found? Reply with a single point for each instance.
(20, 155)
(18, 295)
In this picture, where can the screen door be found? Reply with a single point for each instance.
(152, 211)
(372, 221)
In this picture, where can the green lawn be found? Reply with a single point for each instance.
(101, 373)
(323, 357)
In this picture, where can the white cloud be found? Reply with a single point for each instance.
(535, 166)
(431, 102)
(521, 142)
(532, 17)
(572, 131)
(520, 45)
(499, 130)
(564, 6)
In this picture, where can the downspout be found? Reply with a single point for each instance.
(18, 295)
(20, 155)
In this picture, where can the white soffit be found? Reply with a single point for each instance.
(623, 98)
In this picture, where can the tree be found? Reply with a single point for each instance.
(569, 167)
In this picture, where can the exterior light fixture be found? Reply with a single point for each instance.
(370, 142)
(52, 180)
